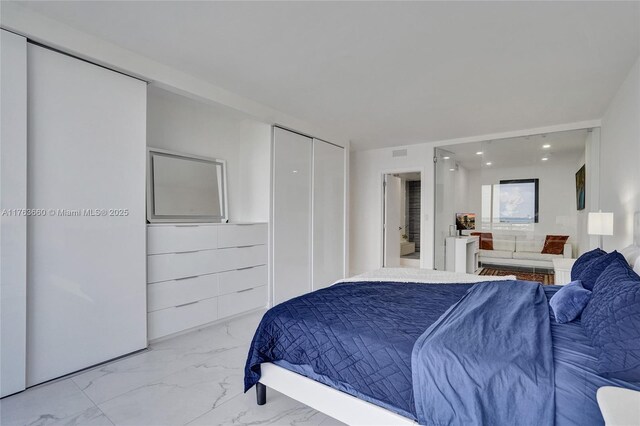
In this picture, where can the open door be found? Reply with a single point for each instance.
(392, 228)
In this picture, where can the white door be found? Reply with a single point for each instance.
(392, 208)
(328, 214)
(86, 269)
(13, 195)
(291, 215)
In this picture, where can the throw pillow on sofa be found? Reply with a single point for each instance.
(612, 321)
(554, 244)
(584, 260)
(486, 240)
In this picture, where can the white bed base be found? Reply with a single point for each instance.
(334, 403)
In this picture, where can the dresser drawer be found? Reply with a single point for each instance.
(242, 279)
(180, 238)
(164, 267)
(242, 301)
(168, 294)
(242, 235)
(244, 257)
(173, 320)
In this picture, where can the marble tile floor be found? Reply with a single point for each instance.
(192, 379)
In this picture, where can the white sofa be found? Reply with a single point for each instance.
(511, 250)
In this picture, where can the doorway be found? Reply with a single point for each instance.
(402, 219)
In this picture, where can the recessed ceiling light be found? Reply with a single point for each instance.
(452, 170)
(546, 146)
(445, 158)
(479, 153)
(544, 158)
(489, 163)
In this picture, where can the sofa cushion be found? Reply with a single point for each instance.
(504, 242)
(584, 260)
(497, 254)
(554, 244)
(486, 240)
(612, 321)
(527, 255)
(529, 245)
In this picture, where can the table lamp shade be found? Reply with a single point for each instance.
(600, 223)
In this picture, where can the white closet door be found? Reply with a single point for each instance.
(328, 214)
(291, 215)
(13, 195)
(86, 274)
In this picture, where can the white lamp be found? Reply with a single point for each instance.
(600, 224)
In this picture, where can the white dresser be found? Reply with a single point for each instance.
(200, 273)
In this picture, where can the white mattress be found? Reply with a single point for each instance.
(427, 276)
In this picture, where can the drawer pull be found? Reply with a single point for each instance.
(245, 290)
(186, 226)
(243, 224)
(187, 304)
(187, 252)
(187, 278)
(244, 269)
(250, 245)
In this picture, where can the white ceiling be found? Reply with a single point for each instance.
(519, 152)
(388, 73)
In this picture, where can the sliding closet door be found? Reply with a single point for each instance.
(13, 195)
(328, 214)
(291, 215)
(86, 268)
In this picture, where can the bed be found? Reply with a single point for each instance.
(406, 346)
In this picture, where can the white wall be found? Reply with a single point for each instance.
(450, 198)
(181, 124)
(620, 160)
(557, 193)
(591, 158)
(366, 171)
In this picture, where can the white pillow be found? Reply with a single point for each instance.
(636, 267)
(631, 254)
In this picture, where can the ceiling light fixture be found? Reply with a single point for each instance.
(479, 153)
(545, 158)
(452, 170)
(489, 163)
(445, 158)
(546, 146)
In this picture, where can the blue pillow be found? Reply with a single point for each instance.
(592, 271)
(583, 261)
(569, 301)
(612, 321)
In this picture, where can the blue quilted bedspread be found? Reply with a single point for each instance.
(359, 338)
(359, 335)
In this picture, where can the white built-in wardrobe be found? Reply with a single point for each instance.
(73, 260)
(308, 232)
